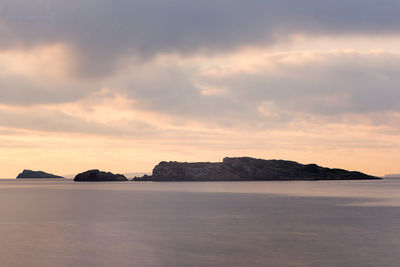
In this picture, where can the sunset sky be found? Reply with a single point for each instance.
(121, 85)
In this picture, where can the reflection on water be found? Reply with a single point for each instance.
(328, 223)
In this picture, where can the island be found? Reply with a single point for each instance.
(36, 174)
(248, 169)
(99, 176)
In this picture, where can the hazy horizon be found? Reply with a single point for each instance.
(122, 85)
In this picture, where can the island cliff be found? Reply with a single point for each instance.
(36, 174)
(99, 176)
(248, 169)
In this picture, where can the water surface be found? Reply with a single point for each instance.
(326, 223)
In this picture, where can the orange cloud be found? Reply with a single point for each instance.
(52, 61)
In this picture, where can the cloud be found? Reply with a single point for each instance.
(101, 33)
(19, 90)
(40, 75)
(255, 88)
(272, 90)
(51, 119)
(333, 83)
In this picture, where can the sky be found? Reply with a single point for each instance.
(122, 85)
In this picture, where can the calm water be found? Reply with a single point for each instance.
(329, 223)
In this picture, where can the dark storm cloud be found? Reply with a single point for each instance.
(102, 31)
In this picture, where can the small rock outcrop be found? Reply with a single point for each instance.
(248, 169)
(36, 174)
(99, 176)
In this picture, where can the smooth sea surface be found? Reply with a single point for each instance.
(316, 223)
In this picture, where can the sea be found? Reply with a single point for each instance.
(300, 223)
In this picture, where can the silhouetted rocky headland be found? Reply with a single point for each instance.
(248, 169)
(36, 174)
(99, 176)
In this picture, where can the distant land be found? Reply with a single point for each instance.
(127, 174)
(36, 174)
(248, 169)
(137, 174)
(392, 176)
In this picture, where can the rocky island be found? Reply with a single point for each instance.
(248, 169)
(36, 174)
(99, 176)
